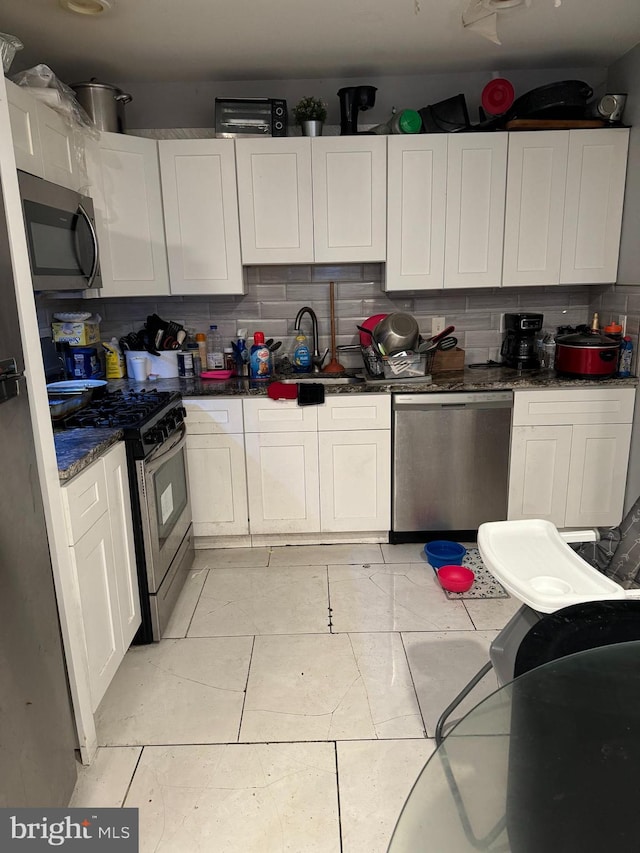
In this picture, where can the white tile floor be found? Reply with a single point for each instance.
(292, 703)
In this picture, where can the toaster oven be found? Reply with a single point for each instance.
(250, 117)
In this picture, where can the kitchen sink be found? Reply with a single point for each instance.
(322, 378)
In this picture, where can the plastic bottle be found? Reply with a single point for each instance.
(229, 359)
(402, 121)
(301, 355)
(260, 360)
(201, 340)
(595, 323)
(242, 356)
(626, 356)
(215, 354)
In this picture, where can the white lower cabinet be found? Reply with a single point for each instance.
(355, 480)
(569, 455)
(217, 473)
(332, 474)
(98, 512)
(283, 484)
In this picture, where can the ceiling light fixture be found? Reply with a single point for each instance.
(87, 7)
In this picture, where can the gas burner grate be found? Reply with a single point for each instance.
(120, 409)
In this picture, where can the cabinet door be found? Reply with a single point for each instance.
(62, 162)
(93, 557)
(416, 204)
(217, 484)
(275, 201)
(597, 474)
(349, 198)
(24, 129)
(124, 566)
(536, 181)
(355, 480)
(125, 179)
(476, 178)
(201, 215)
(593, 205)
(282, 479)
(539, 473)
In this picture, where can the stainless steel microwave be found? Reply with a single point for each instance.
(237, 117)
(61, 236)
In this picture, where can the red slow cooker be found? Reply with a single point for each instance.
(586, 355)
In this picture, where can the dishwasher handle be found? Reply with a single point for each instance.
(454, 400)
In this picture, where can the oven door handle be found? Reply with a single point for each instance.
(154, 462)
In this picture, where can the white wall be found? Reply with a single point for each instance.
(167, 105)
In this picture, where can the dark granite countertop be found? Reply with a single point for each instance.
(77, 448)
(491, 379)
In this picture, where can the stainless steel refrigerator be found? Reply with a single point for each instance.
(37, 761)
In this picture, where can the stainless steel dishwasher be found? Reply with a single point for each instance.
(450, 460)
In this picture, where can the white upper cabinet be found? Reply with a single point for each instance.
(62, 149)
(476, 178)
(416, 204)
(201, 216)
(125, 180)
(275, 200)
(45, 144)
(593, 205)
(24, 129)
(536, 180)
(349, 198)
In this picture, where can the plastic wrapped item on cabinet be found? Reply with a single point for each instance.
(8, 46)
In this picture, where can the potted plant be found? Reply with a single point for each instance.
(310, 114)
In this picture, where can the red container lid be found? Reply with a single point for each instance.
(497, 96)
(258, 337)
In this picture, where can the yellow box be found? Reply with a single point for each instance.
(76, 334)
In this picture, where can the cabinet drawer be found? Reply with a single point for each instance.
(348, 412)
(85, 500)
(207, 416)
(265, 415)
(575, 406)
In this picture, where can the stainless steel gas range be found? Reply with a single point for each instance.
(155, 438)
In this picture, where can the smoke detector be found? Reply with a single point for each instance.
(87, 7)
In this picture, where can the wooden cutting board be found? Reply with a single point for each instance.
(552, 123)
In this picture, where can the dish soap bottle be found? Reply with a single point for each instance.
(260, 360)
(301, 355)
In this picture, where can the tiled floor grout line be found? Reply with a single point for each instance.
(246, 686)
(130, 783)
(413, 684)
(335, 755)
(197, 603)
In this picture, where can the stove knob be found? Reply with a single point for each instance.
(153, 436)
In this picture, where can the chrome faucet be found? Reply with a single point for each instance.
(316, 358)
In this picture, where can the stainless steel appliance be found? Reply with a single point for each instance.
(37, 738)
(250, 117)
(450, 460)
(519, 348)
(155, 438)
(103, 103)
(61, 236)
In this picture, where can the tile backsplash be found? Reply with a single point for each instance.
(276, 293)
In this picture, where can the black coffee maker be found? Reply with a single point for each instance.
(352, 100)
(519, 348)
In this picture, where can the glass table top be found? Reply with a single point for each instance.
(549, 762)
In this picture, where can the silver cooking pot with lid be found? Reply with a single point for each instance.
(103, 103)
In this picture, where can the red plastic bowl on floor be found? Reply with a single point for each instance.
(456, 578)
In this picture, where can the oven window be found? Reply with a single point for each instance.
(170, 486)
